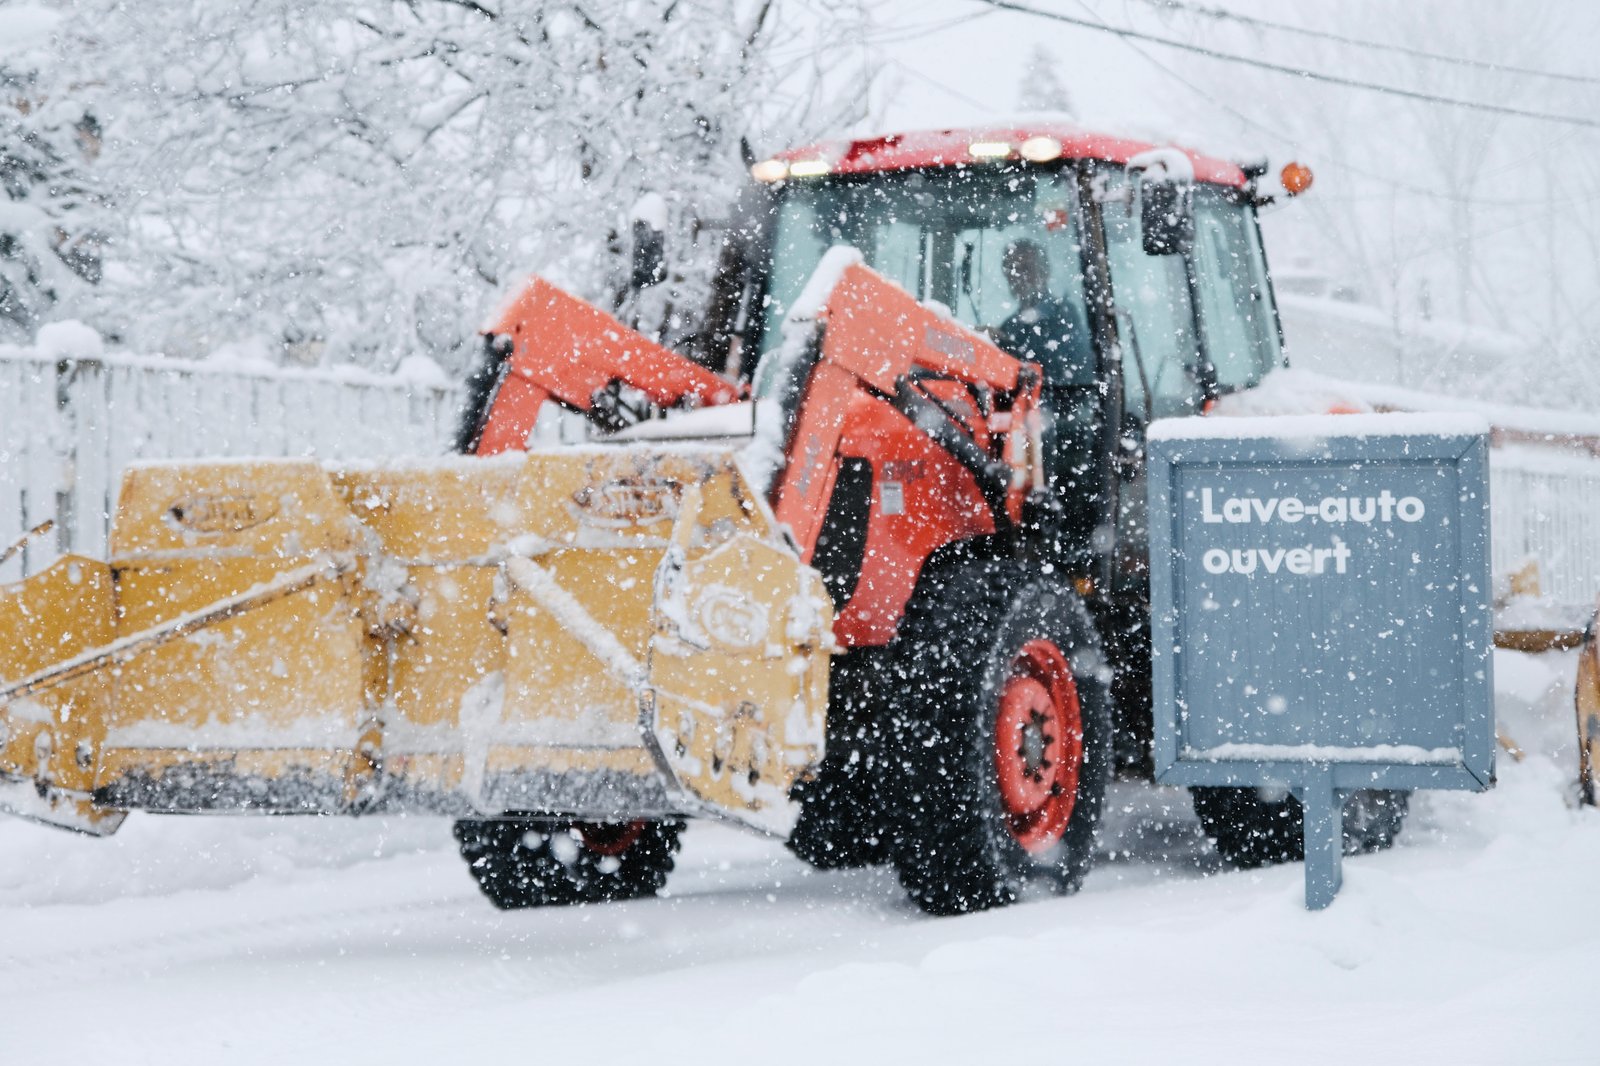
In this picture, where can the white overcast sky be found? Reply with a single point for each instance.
(948, 62)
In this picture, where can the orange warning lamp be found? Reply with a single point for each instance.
(1296, 178)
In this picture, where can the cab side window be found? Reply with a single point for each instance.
(1235, 303)
(1160, 358)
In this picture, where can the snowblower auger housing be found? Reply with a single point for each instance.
(601, 633)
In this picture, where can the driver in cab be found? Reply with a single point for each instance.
(1043, 329)
(1055, 334)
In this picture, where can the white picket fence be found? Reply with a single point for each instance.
(1545, 504)
(69, 426)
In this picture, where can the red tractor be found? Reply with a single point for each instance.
(886, 595)
(994, 619)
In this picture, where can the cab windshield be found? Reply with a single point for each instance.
(943, 235)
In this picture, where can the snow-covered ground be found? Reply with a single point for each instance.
(212, 940)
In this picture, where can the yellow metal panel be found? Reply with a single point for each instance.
(558, 690)
(49, 738)
(440, 511)
(740, 665)
(283, 675)
(452, 646)
(275, 508)
(286, 674)
(600, 497)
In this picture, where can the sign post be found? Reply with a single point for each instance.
(1321, 615)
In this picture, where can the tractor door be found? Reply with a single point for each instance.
(945, 235)
(1150, 301)
(1234, 303)
(1192, 326)
(1163, 375)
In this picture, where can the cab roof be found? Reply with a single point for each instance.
(951, 147)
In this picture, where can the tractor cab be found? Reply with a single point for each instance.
(1181, 315)
(1133, 274)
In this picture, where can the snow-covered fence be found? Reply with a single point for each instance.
(68, 425)
(1546, 508)
(31, 472)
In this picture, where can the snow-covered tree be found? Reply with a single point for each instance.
(357, 180)
(49, 236)
(1041, 87)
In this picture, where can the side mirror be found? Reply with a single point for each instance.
(1166, 216)
(649, 225)
(1166, 207)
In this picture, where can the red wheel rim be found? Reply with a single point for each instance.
(1038, 746)
(610, 838)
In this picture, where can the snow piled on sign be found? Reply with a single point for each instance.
(1408, 754)
(1296, 391)
(1441, 424)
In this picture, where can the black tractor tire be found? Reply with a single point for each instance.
(1252, 830)
(975, 636)
(840, 825)
(544, 862)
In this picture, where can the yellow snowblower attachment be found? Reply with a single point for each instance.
(604, 633)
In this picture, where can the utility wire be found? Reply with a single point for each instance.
(1223, 15)
(889, 33)
(1295, 142)
(935, 83)
(1298, 72)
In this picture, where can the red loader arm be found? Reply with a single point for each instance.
(571, 351)
(878, 340)
(949, 422)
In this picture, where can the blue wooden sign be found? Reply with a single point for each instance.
(1320, 610)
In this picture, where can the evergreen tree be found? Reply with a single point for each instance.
(1041, 87)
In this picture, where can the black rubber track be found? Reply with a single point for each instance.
(840, 824)
(1250, 830)
(957, 642)
(528, 862)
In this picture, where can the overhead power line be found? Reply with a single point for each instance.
(1298, 72)
(1223, 15)
(1255, 123)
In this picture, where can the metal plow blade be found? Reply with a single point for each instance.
(607, 633)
